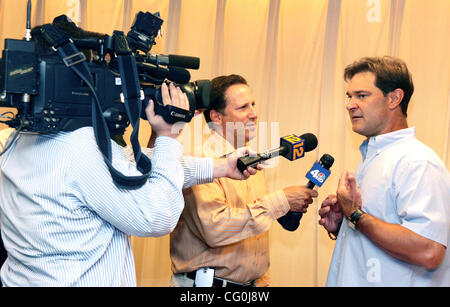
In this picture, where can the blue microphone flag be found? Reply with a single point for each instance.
(318, 174)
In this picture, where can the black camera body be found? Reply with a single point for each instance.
(50, 97)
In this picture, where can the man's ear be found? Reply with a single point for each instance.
(215, 116)
(395, 98)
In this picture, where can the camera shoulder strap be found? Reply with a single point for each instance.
(76, 60)
(132, 95)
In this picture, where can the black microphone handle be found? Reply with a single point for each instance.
(248, 161)
(252, 161)
(291, 220)
(310, 185)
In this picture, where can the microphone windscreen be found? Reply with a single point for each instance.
(178, 75)
(327, 161)
(290, 221)
(184, 61)
(310, 141)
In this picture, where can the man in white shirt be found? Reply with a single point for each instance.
(392, 217)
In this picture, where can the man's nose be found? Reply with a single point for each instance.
(252, 113)
(351, 104)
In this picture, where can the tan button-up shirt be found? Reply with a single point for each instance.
(225, 225)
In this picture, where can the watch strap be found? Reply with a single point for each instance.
(355, 216)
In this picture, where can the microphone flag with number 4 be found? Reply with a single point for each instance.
(318, 174)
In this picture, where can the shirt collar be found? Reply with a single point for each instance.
(217, 146)
(378, 143)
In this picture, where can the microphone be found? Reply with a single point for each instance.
(292, 147)
(175, 60)
(178, 75)
(175, 74)
(320, 171)
(317, 176)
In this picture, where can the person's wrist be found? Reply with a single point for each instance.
(333, 231)
(167, 133)
(173, 136)
(169, 130)
(220, 167)
(356, 216)
(348, 209)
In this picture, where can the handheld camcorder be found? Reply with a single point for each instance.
(61, 78)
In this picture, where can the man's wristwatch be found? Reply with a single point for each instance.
(355, 216)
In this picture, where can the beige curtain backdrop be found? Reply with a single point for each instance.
(292, 53)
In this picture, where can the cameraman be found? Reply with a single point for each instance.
(65, 222)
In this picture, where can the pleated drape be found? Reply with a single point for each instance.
(292, 52)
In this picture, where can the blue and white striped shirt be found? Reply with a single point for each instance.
(65, 223)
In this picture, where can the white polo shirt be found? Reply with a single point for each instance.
(402, 181)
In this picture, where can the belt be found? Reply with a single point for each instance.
(218, 282)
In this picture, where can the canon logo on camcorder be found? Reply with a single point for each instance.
(175, 114)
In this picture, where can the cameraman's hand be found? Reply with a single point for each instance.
(299, 197)
(176, 98)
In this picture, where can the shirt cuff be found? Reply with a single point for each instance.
(277, 203)
(197, 170)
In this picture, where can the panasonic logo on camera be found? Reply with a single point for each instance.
(21, 71)
(80, 94)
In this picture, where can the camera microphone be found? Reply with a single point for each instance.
(178, 75)
(292, 147)
(175, 60)
(317, 176)
(175, 74)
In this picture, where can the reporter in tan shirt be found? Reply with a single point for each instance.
(225, 224)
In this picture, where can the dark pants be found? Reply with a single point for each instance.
(3, 255)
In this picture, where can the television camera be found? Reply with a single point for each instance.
(56, 87)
